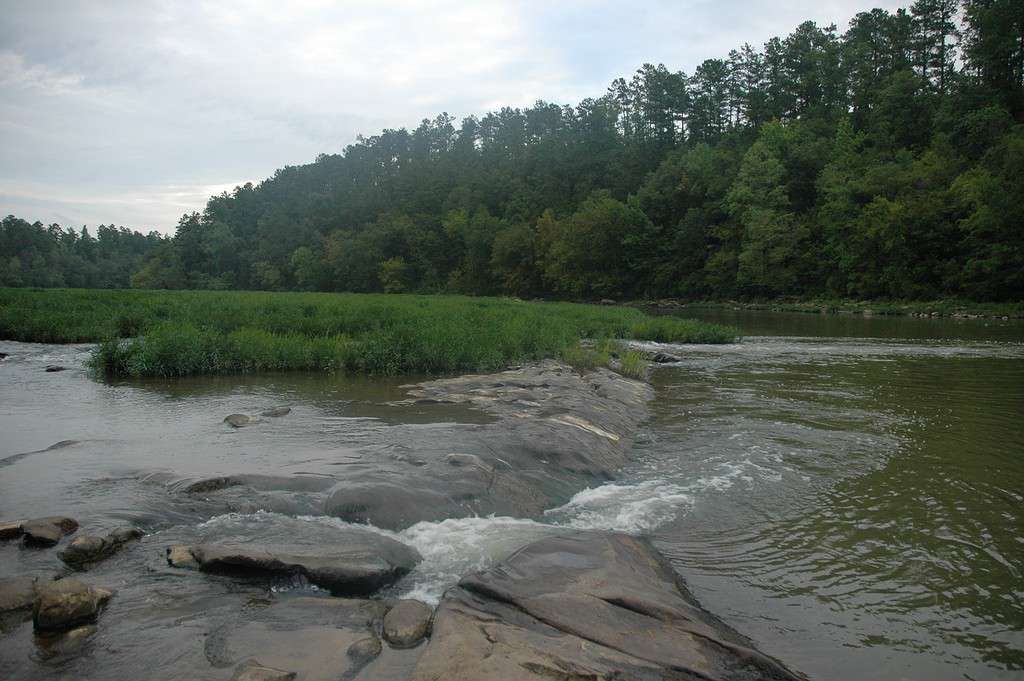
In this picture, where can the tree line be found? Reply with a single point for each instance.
(883, 161)
(50, 256)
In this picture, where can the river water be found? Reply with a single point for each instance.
(846, 491)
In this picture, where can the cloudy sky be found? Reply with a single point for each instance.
(133, 113)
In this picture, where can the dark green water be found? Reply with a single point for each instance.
(857, 491)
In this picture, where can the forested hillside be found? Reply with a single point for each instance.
(885, 160)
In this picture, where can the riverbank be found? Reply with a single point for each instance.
(178, 333)
(415, 546)
(957, 309)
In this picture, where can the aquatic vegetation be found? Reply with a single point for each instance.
(177, 333)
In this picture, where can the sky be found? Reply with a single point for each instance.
(134, 113)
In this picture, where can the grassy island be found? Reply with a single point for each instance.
(178, 333)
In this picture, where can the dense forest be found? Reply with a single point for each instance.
(51, 256)
(883, 161)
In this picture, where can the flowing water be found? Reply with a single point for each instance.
(847, 491)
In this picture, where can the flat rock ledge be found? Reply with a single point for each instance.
(585, 606)
(346, 562)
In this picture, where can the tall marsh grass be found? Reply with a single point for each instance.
(177, 333)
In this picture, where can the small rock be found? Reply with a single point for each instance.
(53, 644)
(252, 670)
(238, 420)
(88, 549)
(407, 623)
(465, 460)
(47, 531)
(276, 411)
(10, 530)
(4, 355)
(663, 358)
(67, 603)
(607, 301)
(180, 556)
(52, 368)
(364, 650)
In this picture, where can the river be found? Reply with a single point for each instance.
(846, 491)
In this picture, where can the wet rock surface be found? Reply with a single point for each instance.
(239, 420)
(85, 550)
(346, 561)
(600, 605)
(66, 604)
(556, 431)
(407, 623)
(254, 671)
(276, 412)
(47, 531)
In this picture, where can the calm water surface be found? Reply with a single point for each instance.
(848, 492)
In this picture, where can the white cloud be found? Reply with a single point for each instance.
(127, 112)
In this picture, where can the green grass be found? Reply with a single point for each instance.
(178, 333)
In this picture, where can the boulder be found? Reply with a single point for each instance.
(239, 420)
(88, 549)
(407, 623)
(11, 530)
(364, 650)
(584, 606)
(47, 531)
(276, 412)
(66, 604)
(252, 670)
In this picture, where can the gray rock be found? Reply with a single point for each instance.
(663, 358)
(252, 670)
(67, 603)
(47, 531)
(553, 431)
(239, 420)
(276, 412)
(364, 650)
(407, 623)
(88, 549)
(345, 561)
(64, 643)
(599, 605)
(19, 593)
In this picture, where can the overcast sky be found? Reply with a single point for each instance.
(133, 113)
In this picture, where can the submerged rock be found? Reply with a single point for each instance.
(53, 368)
(239, 420)
(663, 358)
(88, 549)
(407, 623)
(252, 670)
(585, 606)
(67, 603)
(276, 412)
(19, 593)
(47, 531)
(64, 643)
(345, 561)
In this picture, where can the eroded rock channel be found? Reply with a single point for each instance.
(302, 574)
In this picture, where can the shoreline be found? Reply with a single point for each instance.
(953, 309)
